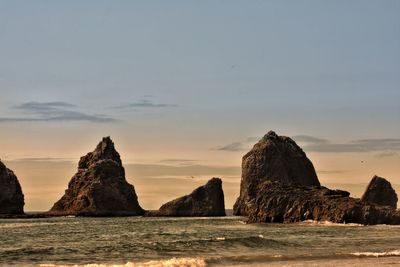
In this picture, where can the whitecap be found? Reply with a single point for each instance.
(377, 254)
(174, 262)
(329, 223)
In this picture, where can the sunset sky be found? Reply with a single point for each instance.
(185, 88)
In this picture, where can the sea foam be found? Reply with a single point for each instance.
(174, 262)
(377, 254)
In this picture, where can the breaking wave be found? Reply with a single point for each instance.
(377, 254)
(173, 262)
(328, 223)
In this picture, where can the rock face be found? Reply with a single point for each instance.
(273, 158)
(380, 192)
(279, 202)
(206, 200)
(11, 197)
(99, 188)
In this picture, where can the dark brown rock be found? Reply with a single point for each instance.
(11, 197)
(273, 158)
(99, 188)
(380, 192)
(206, 200)
(283, 203)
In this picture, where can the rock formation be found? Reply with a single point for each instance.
(282, 203)
(380, 192)
(279, 184)
(273, 158)
(11, 197)
(206, 200)
(99, 188)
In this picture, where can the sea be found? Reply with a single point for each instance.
(218, 241)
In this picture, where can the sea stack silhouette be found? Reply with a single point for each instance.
(99, 188)
(279, 184)
(273, 158)
(206, 200)
(11, 196)
(380, 192)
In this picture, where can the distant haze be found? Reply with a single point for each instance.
(185, 88)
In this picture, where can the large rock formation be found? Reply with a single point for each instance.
(207, 200)
(99, 188)
(273, 158)
(11, 197)
(279, 184)
(282, 203)
(380, 192)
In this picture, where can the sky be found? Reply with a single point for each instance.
(185, 88)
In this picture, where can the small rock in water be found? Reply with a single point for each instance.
(380, 192)
(206, 200)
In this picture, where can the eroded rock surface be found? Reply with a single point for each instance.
(283, 203)
(273, 158)
(380, 192)
(206, 200)
(99, 188)
(11, 196)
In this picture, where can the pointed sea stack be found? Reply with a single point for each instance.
(380, 192)
(11, 197)
(99, 188)
(206, 200)
(273, 158)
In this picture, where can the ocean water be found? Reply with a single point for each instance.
(225, 241)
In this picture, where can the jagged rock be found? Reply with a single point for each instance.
(11, 197)
(282, 203)
(99, 188)
(206, 200)
(273, 158)
(380, 192)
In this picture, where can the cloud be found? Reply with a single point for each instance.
(387, 154)
(145, 103)
(178, 162)
(364, 145)
(235, 146)
(253, 139)
(43, 159)
(316, 144)
(43, 107)
(53, 111)
(309, 139)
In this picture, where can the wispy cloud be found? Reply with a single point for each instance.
(309, 139)
(178, 162)
(41, 107)
(364, 145)
(53, 111)
(253, 139)
(387, 154)
(235, 146)
(146, 103)
(43, 159)
(315, 144)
